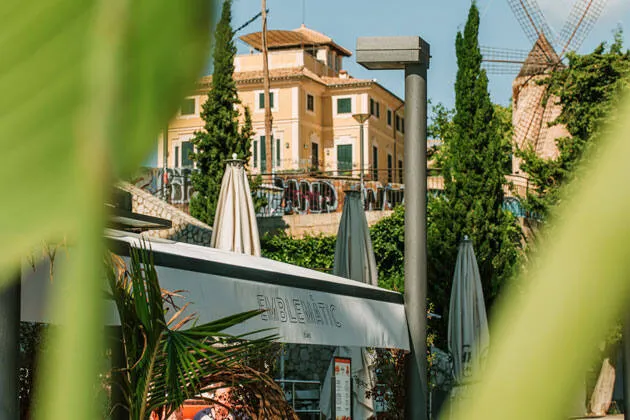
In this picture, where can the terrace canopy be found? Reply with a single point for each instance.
(303, 306)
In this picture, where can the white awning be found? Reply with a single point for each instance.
(303, 306)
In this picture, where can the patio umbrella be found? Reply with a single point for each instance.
(354, 259)
(354, 256)
(235, 228)
(468, 338)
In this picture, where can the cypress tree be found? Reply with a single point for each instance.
(475, 155)
(221, 136)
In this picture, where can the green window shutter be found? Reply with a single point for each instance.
(344, 159)
(187, 149)
(263, 155)
(375, 163)
(344, 105)
(176, 162)
(261, 100)
(271, 95)
(255, 153)
(389, 168)
(277, 153)
(188, 106)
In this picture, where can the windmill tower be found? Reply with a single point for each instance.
(533, 107)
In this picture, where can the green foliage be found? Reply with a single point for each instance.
(388, 241)
(314, 252)
(588, 90)
(99, 81)
(221, 136)
(475, 159)
(165, 364)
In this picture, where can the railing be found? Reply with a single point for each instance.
(303, 401)
(291, 194)
(295, 193)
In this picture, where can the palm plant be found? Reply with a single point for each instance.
(165, 364)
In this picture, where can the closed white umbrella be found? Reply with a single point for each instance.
(468, 337)
(354, 255)
(235, 228)
(354, 259)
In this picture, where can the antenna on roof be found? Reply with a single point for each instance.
(303, 12)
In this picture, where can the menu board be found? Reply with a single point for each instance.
(343, 390)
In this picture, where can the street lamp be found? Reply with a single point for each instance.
(410, 53)
(361, 119)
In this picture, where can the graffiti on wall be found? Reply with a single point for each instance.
(287, 195)
(172, 185)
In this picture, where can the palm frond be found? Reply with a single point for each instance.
(166, 364)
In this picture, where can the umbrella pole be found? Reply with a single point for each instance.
(9, 349)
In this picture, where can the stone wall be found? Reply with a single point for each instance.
(306, 362)
(185, 227)
(300, 225)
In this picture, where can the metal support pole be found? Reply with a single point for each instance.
(415, 177)
(9, 350)
(361, 164)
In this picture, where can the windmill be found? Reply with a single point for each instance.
(532, 108)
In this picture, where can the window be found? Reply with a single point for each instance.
(310, 103)
(344, 159)
(389, 117)
(402, 125)
(378, 110)
(263, 154)
(188, 107)
(390, 162)
(181, 154)
(375, 163)
(278, 153)
(372, 107)
(187, 150)
(344, 105)
(255, 153)
(261, 100)
(315, 156)
(400, 172)
(397, 123)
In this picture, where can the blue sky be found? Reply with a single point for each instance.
(436, 21)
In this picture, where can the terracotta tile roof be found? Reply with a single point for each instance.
(344, 81)
(246, 77)
(278, 39)
(275, 74)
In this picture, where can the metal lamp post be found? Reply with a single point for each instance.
(410, 53)
(361, 119)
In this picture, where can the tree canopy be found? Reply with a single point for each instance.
(588, 90)
(474, 158)
(221, 136)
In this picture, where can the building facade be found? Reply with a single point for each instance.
(312, 99)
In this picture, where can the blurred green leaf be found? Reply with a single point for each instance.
(85, 88)
(545, 339)
(53, 73)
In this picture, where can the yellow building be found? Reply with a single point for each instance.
(312, 101)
